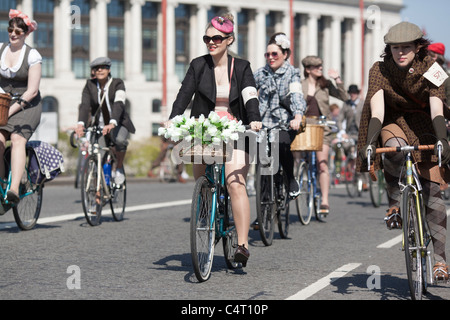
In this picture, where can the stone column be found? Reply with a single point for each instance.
(99, 31)
(336, 45)
(260, 40)
(63, 40)
(312, 47)
(133, 39)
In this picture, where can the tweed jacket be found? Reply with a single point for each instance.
(406, 97)
(200, 83)
(116, 100)
(323, 95)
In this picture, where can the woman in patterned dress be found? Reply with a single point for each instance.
(403, 107)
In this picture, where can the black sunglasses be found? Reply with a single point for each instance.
(18, 32)
(216, 39)
(101, 67)
(273, 54)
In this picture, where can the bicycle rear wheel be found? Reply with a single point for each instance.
(230, 241)
(26, 212)
(265, 206)
(304, 203)
(202, 234)
(283, 203)
(411, 238)
(91, 199)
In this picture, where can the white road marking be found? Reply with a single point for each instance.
(324, 282)
(74, 216)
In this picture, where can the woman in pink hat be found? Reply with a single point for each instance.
(225, 85)
(20, 73)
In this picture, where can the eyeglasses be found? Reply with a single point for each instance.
(273, 54)
(18, 32)
(95, 69)
(216, 39)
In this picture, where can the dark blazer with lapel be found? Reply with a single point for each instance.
(200, 80)
(90, 104)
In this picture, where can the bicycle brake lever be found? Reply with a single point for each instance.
(369, 153)
(440, 146)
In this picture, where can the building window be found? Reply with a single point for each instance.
(43, 38)
(5, 5)
(80, 42)
(49, 104)
(116, 8)
(150, 41)
(182, 15)
(242, 39)
(156, 105)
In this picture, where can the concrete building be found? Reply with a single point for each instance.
(73, 32)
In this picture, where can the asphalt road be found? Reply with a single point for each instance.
(352, 256)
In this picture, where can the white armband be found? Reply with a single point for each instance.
(120, 96)
(249, 93)
(295, 87)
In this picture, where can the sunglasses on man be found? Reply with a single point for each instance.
(216, 39)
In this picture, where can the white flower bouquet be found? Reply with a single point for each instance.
(202, 137)
(211, 130)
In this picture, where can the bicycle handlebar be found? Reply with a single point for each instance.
(373, 176)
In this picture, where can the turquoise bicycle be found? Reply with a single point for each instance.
(211, 221)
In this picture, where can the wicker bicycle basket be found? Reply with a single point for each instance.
(207, 154)
(5, 100)
(309, 140)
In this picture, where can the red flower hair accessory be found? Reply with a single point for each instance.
(222, 24)
(32, 25)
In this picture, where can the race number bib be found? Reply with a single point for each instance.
(436, 75)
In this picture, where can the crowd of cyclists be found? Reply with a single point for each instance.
(403, 105)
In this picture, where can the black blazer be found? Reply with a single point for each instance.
(200, 80)
(90, 104)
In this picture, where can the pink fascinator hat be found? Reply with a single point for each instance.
(32, 25)
(222, 24)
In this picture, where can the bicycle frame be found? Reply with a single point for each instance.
(412, 180)
(94, 149)
(215, 173)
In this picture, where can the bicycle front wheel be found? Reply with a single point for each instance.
(305, 201)
(377, 189)
(202, 235)
(351, 180)
(411, 242)
(265, 206)
(91, 198)
(26, 212)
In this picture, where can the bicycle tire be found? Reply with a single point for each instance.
(265, 206)
(91, 200)
(202, 229)
(282, 199)
(317, 201)
(413, 256)
(305, 201)
(230, 241)
(377, 189)
(27, 211)
(351, 181)
(118, 200)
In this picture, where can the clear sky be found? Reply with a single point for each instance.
(433, 16)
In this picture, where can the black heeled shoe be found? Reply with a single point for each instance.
(241, 255)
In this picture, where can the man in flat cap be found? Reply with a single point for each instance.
(104, 97)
